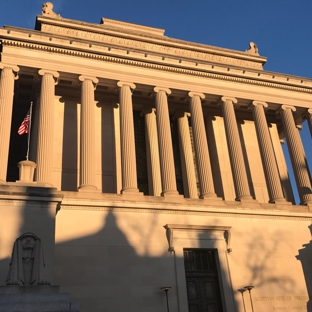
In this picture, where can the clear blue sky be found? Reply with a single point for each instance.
(280, 28)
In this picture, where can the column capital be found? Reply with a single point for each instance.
(15, 68)
(256, 103)
(42, 72)
(167, 90)
(181, 114)
(126, 83)
(224, 99)
(193, 94)
(147, 111)
(93, 79)
(55, 74)
(285, 107)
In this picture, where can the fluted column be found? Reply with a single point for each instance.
(309, 118)
(87, 134)
(152, 151)
(235, 149)
(297, 155)
(187, 159)
(128, 161)
(45, 142)
(6, 104)
(267, 153)
(201, 146)
(169, 185)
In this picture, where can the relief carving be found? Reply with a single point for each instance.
(27, 262)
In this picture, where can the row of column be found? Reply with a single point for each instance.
(159, 143)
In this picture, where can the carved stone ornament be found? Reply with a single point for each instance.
(27, 262)
(47, 10)
(253, 49)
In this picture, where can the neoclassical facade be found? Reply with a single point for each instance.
(158, 164)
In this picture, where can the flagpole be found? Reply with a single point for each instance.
(29, 128)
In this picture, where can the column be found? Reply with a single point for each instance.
(235, 149)
(87, 134)
(267, 153)
(128, 160)
(45, 142)
(201, 146)
(187, 159)
(169, 185)
(297, 155)
(6, 105)
(309, 118)
(152, 152)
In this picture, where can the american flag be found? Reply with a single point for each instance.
(24, 127)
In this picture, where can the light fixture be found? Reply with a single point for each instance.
(249, 288)
(242, 290)
(166, 289)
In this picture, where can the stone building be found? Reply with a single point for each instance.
(158, 164)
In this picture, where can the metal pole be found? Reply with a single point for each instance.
(249, 288)
(252, 309)
(166, 289)
(167, 300)
(242, 292)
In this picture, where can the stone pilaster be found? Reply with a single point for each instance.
(87, 135)
(267, 153)
(235, 149)
(152, 152)
(309, 118)
(128, 161)
(187, 159)
(201, 146)
(169, 185)
(297, 155)
(45, 142)
(6, 104)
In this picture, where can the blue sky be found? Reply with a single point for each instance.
(280, 28)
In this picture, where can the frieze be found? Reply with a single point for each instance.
(168, 68)
(184, 212)
(81, 34)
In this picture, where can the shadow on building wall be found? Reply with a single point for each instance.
(305, 257)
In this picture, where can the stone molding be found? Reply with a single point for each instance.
(199, 73)
(204, 228)
(193, 211)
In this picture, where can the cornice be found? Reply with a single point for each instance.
(188, 51)
(179, 69)
(193, 212)
(134, 32)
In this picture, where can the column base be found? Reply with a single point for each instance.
(170, 193)
(2, 182)
(87, 188)
(131, 191)
(245, 198)
(282, 201)
(209, 196)
(44, 184)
